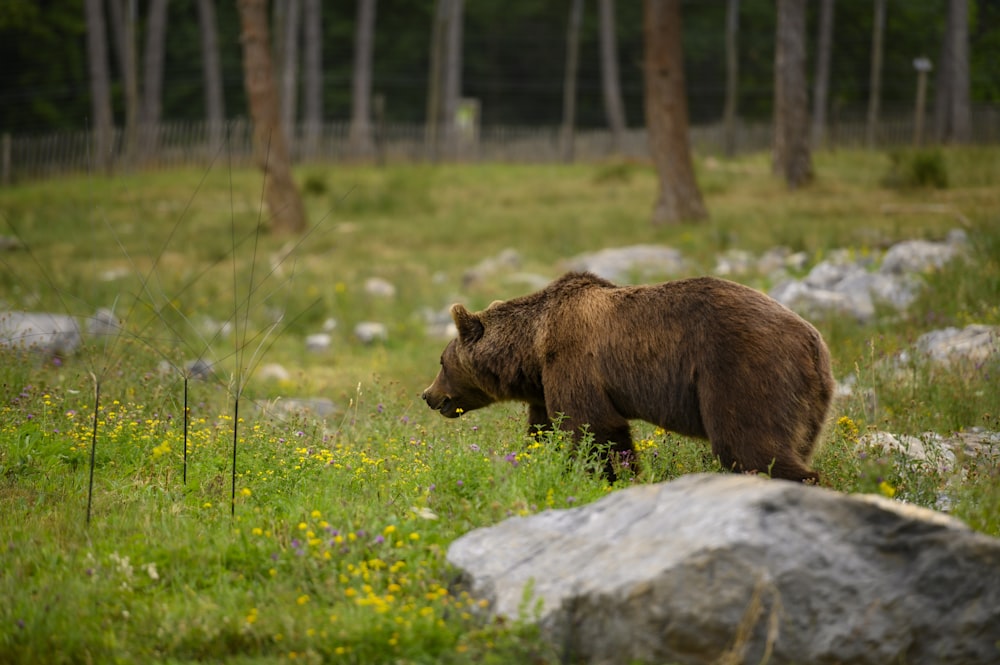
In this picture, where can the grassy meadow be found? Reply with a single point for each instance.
(333, 547)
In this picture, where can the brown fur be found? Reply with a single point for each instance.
(702, 357)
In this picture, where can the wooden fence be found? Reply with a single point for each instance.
(25, 158)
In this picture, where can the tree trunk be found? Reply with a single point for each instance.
(444, 87)
(611, 87)
(875, 87)
(729, 113)
(361, 82)
(123, 22)
(288, 55)
(152, 85)
(438, 33)
(313, 77)
(569, 80)
(452, 77)
(100, 84)
(215, 114)
(821, 86)
(667, 115)
(952, 114)
(270, 149)
(792, 158)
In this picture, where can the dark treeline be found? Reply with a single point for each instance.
(513, 59)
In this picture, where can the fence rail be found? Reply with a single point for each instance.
(24, 158)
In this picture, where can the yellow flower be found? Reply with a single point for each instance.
(302, 600)
(886, 489)
(246, 491)
(316, 514)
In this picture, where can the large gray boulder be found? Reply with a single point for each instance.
(728, 568)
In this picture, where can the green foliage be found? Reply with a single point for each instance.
(917, 168)
(336, 552)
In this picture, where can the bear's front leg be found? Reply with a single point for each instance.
(620, 452)
(538, 419)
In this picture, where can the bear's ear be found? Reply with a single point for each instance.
(470, 328)
(495, 303)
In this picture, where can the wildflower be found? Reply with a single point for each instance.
(302, 600)
(886, 489)
(245, 491)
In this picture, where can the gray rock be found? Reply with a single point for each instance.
(199, 369)
(380, 288)
(286, 407)
(930, 450)
(439, 324)
(8, 243)
(46, 333)
(728, 568)
(916, 256)
(507, 260)
(273, 372)
(370, 332)
(103, 323)
(818, 303)
(625, 264)
(318, 342)
(972, 344)
(828, 274)
(734, 262)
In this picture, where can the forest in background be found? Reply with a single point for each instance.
(513, 59)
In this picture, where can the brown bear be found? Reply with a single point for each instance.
(703, 357)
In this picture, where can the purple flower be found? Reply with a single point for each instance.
(474, 448)
(379, 539)
(460, 483)
(512, 458)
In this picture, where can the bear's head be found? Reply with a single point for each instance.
(459, 385)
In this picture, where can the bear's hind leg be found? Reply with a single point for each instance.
(775, 461)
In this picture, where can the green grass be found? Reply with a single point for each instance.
(337, 548)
